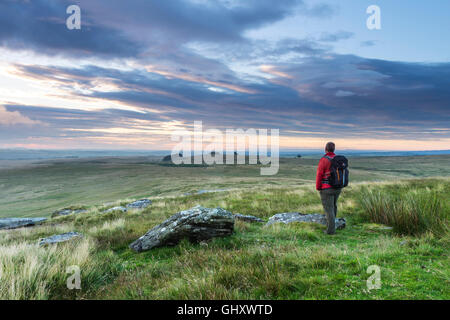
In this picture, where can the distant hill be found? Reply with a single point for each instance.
(30, 154)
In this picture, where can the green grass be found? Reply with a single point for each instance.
(294, 261)
(40, 189)
(413, 211)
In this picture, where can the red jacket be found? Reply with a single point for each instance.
(323, 171)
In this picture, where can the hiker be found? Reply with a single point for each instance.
(332, 176)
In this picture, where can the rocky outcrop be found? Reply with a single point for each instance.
(13, 223)
(67, 211)
(246, 218)
(122, 209)
(168, 158)
(196, 224)
(140, 204)
(57, 238)
(299, 217)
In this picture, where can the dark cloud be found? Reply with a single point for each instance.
(183, 20)
(337, 36)
(128, 28)
(368, 43)
(40, 25)
(367, 91)
(352, 95)
(308, 90)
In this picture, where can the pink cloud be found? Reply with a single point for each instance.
(12, 118)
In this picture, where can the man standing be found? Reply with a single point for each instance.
(328, 194)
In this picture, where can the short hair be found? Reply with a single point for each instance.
(330, 147)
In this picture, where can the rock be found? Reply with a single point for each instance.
(196, 224)
(13, 223)
(59, 238)
(299, 217)
(140, 204)
(63, 212)
(247, 218)
(123, 209)
(168, 158)
(204, 191)
(67, 211)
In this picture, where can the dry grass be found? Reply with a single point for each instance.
(295, 261)
(410, 210)
(28, 271)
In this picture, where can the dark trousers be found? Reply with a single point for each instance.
(329, 199)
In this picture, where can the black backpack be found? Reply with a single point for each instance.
(338, 172)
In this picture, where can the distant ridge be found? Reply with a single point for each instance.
(31, 154)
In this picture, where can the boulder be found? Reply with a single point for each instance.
(196, 224)
(13, 223)
(123, 209)
(140, 204)
(299, 217)
(246, 218)
(57, 238)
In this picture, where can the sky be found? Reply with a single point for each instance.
(138, 70)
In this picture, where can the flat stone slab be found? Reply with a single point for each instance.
(57, 238)
(140, 204)
(13, 223)
(204, 191)
(247, 218)
(66, 212)
(123, 209)
(300, 217)
(196, 224)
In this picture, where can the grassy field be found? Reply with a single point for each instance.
(399, 221)
(38, 189)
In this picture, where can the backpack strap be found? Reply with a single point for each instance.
(325, 180)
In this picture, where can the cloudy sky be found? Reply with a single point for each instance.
(139, 69)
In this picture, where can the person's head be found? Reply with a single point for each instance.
(330, 147)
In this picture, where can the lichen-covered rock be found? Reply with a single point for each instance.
(140, 204)
(196, 224)
(13, 223)
(122, 209)
(204, 191)
(299, 217)
(246, 218)
(67, 211)
(57, 238)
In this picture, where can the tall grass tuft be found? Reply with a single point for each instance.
(28, 271)
(414, 212)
